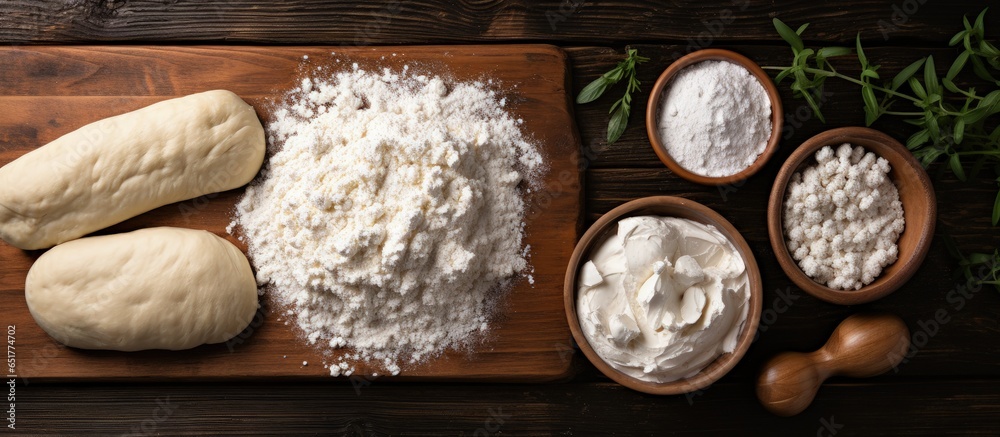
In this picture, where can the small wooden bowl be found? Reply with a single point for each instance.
(915, 193)
(666, 206)
(656, 97)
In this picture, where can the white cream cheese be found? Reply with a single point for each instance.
(663, 298)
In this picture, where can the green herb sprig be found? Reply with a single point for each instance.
(620, 109)
(946, 129)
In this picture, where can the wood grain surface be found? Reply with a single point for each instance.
(694, 22)
(374, 408)
(948, 385)
(50, 91)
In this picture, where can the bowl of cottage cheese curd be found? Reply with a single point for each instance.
(663, 295)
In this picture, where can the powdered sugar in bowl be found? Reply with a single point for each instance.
(714, 117)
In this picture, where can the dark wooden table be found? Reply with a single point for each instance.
(950, 385)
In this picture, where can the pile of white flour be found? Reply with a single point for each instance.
(715, 119)
(390, 213)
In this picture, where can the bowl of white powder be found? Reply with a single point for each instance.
(663, 295)
(714, 117)
(851, 215)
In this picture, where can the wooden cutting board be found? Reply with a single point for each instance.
(49, 91)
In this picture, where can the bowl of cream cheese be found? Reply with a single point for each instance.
(663, 295)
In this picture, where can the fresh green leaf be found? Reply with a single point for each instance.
(949, 85)
(996, 210)
(956, 167)
(979, 27)
(820, 73)
(869, 73)
(980, 69)
(861, 53)
(917, 139)
(959, 130)
(930, 77)
(979, 258)
(592, 91)
(831, 52)
(974, 115)
(870, 116)
(956, 67)
(989, 50)
(987, 106)
(907, 73)
(814, 106)
(871, 104)
(927, 155)
(991, 100)
(616, 127)
(783, 74)
(801, 29)
(934, 129)
(615, 76)
(802, 57)
(958, 38)
(787, 34)
(917, 88)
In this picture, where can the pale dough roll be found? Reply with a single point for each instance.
(117, 168)
(158, 288)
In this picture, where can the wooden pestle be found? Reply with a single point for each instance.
(863, 345)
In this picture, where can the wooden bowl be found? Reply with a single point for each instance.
(667, 206)
(915, 193)
(656, 97)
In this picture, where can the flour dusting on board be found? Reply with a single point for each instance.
(391, 213)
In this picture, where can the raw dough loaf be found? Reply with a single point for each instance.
(158, 288)
(117, 168)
